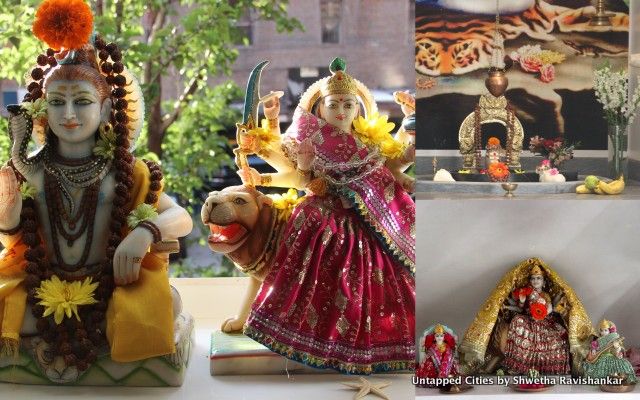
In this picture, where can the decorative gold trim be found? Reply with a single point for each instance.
(388, 241)
(492, 109)
(266, 179)
(320, 362)
(477, 338)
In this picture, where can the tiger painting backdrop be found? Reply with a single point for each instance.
(453, 47)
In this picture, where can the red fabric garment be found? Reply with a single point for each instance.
(438, 364)
(361, 178)
(334, 297)
(542, 345)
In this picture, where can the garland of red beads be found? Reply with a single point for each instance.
(78, 341)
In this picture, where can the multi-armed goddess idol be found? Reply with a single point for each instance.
(338, 288)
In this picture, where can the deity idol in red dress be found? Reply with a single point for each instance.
(438, 353)
(340, 293)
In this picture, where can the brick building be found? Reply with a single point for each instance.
(375, 37)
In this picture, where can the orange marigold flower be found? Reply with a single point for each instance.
(63, 23)
(493, 141)
(498, 171)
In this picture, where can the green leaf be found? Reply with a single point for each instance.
(193, 148)
(14, 41)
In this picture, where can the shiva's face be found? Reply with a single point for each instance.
(340, 110)
(604, 331)
(537, 281)
(74, 110)
(439, 338)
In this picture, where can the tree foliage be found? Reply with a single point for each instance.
(192, 41)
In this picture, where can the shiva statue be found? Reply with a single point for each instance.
(85, 225)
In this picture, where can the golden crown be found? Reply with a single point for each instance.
(339, 82)
(536, 270)
(439, 329)
(604, 324)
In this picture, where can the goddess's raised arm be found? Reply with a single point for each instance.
(264, 139)
(406, 136)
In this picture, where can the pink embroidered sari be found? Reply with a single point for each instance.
(341, 293)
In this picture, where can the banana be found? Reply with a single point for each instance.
(613, 187)
(597, 190)
(582, 189)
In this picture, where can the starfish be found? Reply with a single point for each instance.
(367, 387)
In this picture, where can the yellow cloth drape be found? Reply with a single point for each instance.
(477, 338)
(139, 316)
(13, 295)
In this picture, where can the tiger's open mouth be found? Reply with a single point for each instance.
(227, 234)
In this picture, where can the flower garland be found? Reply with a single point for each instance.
(375, 131)
(285, 202)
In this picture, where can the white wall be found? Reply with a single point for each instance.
(464, 248)
(634, 73)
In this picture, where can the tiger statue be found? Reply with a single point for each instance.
(450, 43)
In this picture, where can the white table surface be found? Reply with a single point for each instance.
(211, 301)
(558, 392)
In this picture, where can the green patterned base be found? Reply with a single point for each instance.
(166, 370)
(237, 354)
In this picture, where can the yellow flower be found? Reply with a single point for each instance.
(550, 57)
(391, 148)
(376, 131)
(373, 129)
(62, 298)
(263, 135)
(286, 200)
